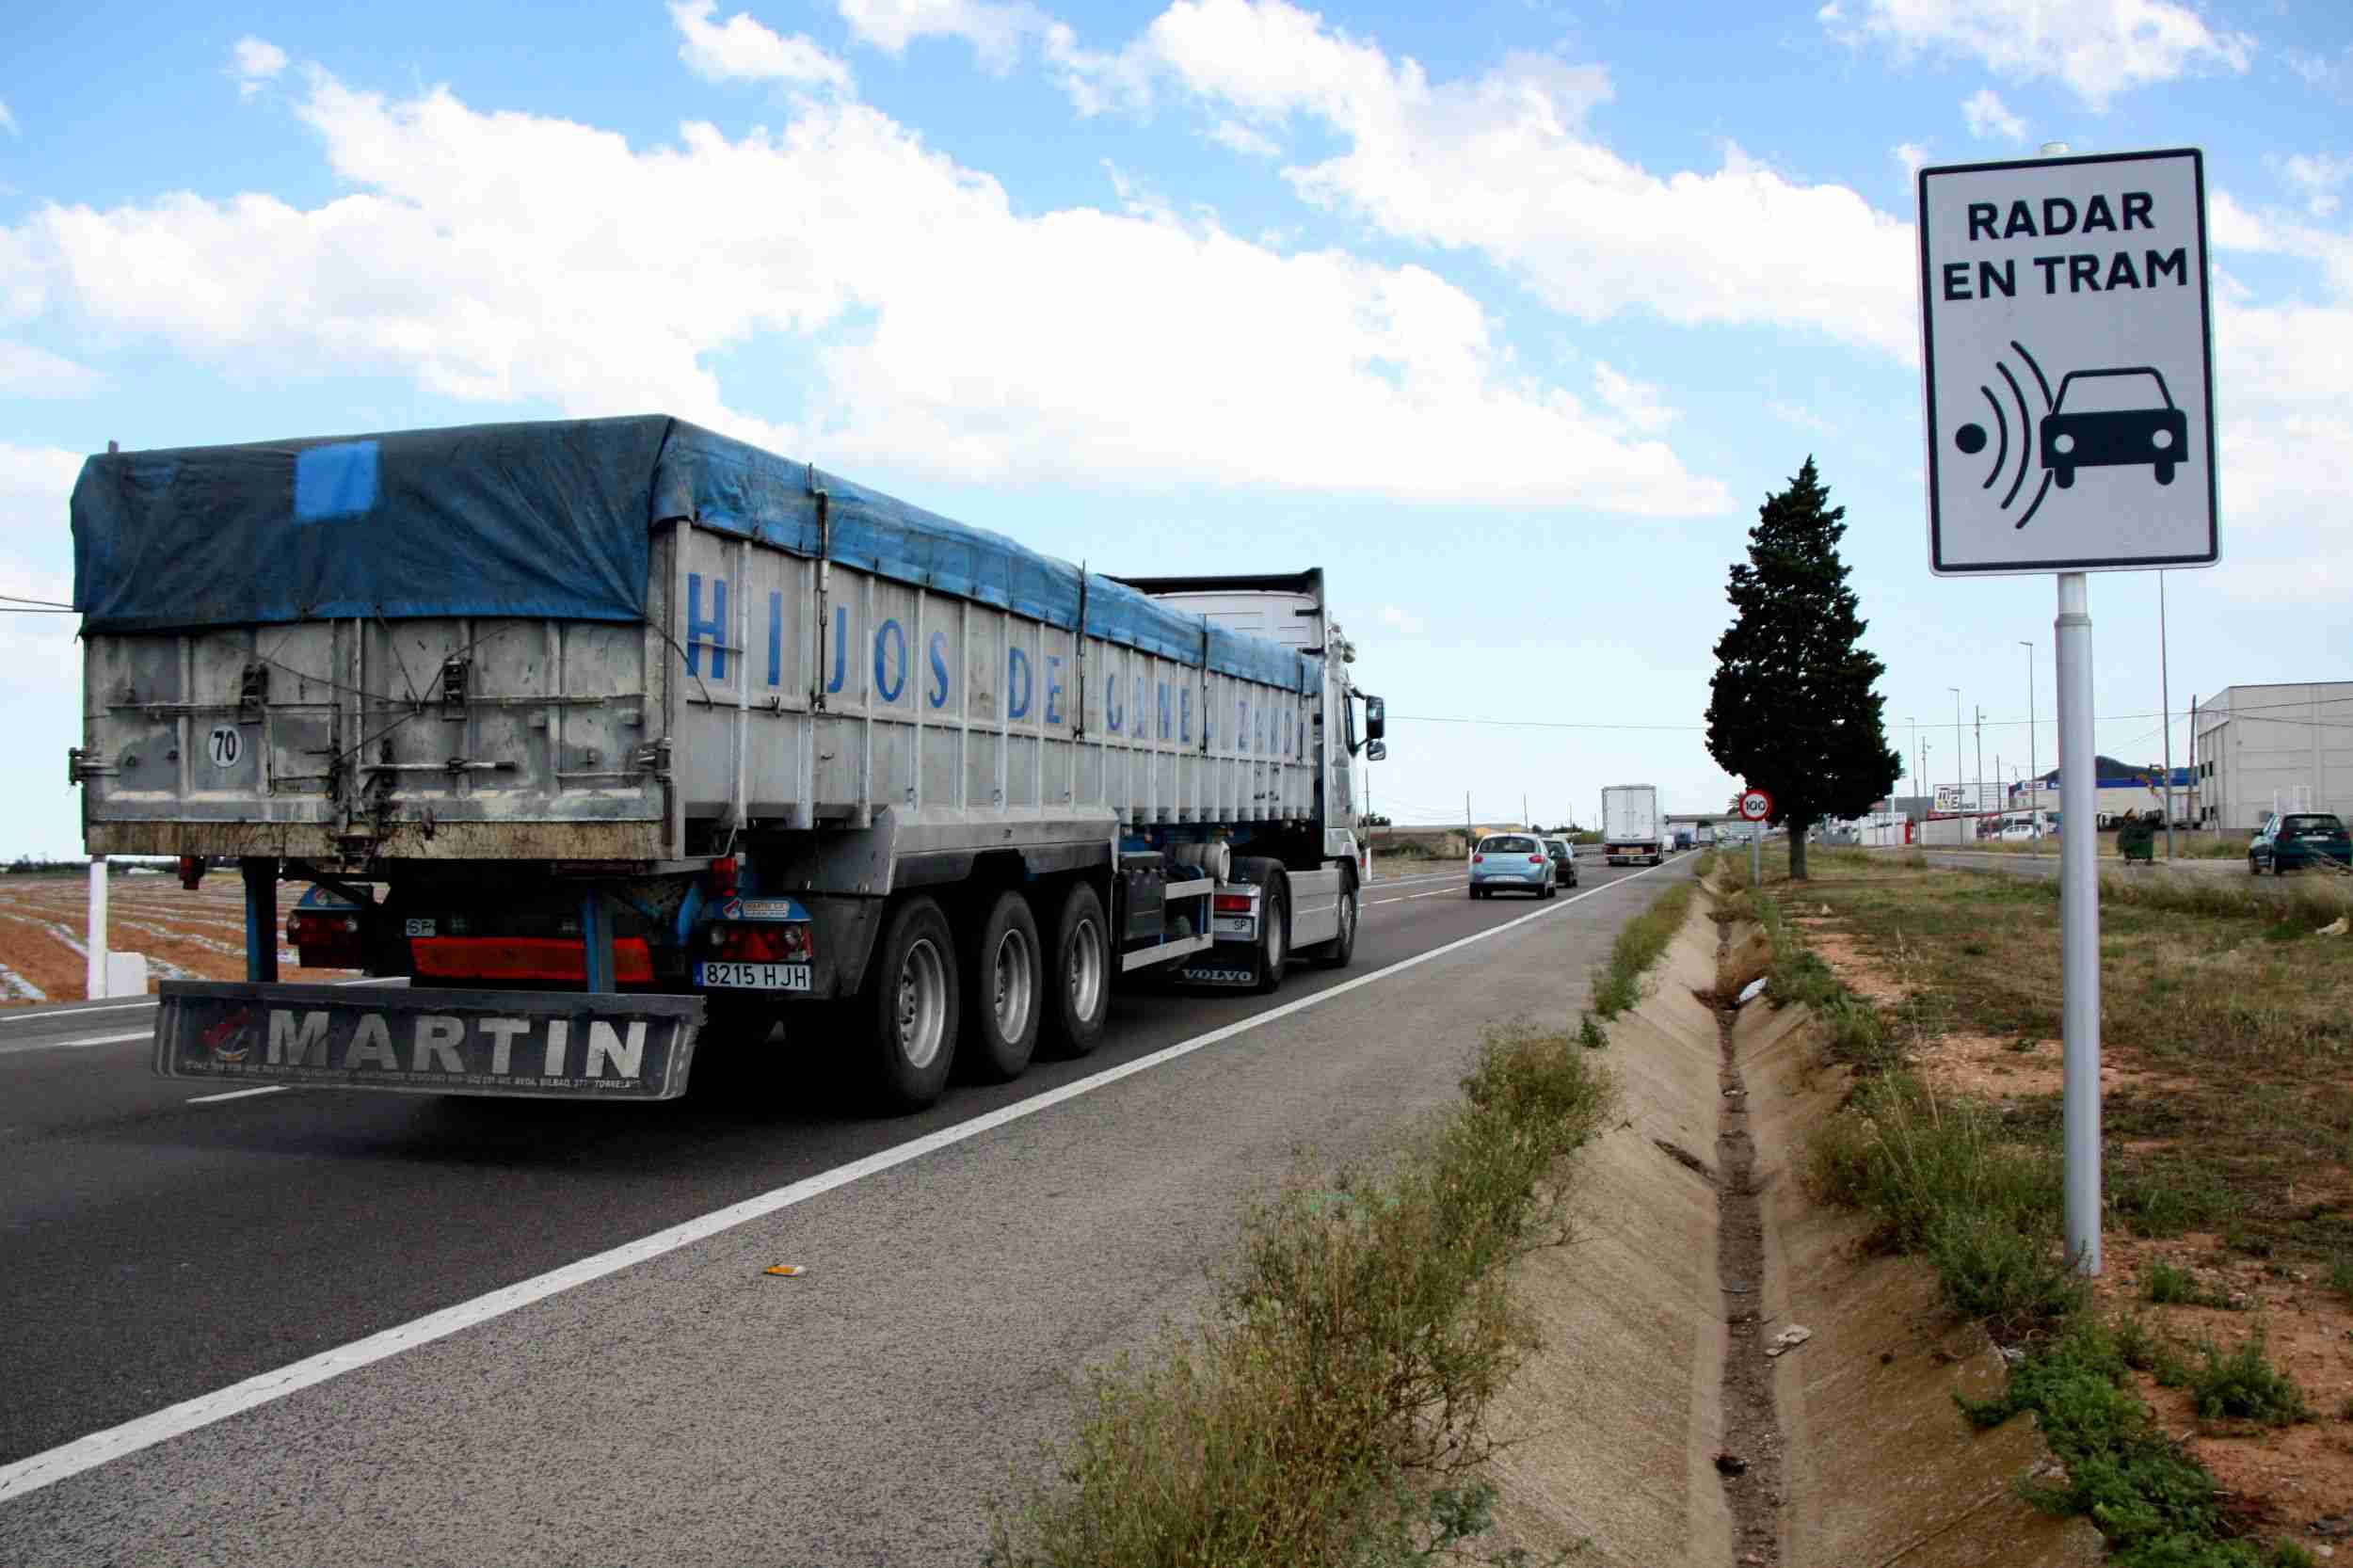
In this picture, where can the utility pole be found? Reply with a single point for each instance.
(2165, 700)
(1958, 745)
(1980, 782)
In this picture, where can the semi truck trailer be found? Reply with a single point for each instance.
(1631, 827)
(618, 741)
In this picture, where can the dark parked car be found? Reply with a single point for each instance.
(1563, 861)
(2291, 842)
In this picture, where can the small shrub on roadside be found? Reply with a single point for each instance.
(1591, 1035)
(2244, 1385)
(2015, 1280)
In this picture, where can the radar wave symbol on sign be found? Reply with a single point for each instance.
(1972, 437)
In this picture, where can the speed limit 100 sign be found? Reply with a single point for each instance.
(1755, 806)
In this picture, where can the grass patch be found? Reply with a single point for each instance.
(1617, 984)
(1797, 977)
(1975, 1193)
(1332, 1408)
(2169, 1286)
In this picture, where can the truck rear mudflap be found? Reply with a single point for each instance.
(541, 1045)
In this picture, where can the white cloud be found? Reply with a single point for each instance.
(1911, 156)
(2318, 176)
(29, 372)
(1502, 165)
(995, 30)
(1988, 115)
(741, 50)
(490, 257)
(2098, 48)
(255, 63)
(1242, 139)
(8, 120)
(1638, 403)
(1403, 621)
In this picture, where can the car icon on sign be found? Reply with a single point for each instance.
(2109, 418)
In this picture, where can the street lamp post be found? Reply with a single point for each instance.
(2034, 765)
(1958, 751)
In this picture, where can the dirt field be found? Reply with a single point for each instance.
(44, 928)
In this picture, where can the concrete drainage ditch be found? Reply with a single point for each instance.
(1654, 1428)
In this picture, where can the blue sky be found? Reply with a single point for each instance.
(1506, 315)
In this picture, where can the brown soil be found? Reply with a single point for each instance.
(184, 935)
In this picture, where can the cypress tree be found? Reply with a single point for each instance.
(1791, 709)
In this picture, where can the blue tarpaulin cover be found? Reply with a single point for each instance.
(550, 520)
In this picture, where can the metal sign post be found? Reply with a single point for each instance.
(1755, 805)
(2067, 343)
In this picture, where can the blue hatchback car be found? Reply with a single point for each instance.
(1513, 860)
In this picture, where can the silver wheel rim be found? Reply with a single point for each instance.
(922, 1009)
(1084, 967)
(1348, 917)
(1016, 986)
(1271, 912)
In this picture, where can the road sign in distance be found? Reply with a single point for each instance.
(1755, 805)
(2068, 341)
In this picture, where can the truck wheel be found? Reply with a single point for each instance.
(1003, 975)
(911, 1010)
(1274, 918)
(1079, 979)
(1335, 954)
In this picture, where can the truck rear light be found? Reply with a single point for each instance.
(723, 876)
(325, 938)
(783, 943)
(191, 870)
(1230, 903)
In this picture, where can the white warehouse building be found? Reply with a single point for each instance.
(2275, 748)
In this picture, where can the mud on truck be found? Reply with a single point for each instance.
(618, 741)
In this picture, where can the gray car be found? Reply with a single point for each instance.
(1563, 862)
(1513, 860)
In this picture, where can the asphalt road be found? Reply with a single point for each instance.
(160, 1246)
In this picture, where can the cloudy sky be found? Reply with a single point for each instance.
(1508, 314)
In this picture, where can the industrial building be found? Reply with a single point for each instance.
(2120, 787)
(2279, 748)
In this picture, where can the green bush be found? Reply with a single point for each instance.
(2168, 1286)
(1331, 1410)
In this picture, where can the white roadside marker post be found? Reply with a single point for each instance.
(94, 985)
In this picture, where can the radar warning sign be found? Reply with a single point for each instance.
(2068, 341)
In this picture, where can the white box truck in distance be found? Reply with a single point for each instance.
(1631, 827)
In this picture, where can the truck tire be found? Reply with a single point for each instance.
(1003, 981)
(910, 1007)
(1274, 956)
(1335, 954)
(1078, 993)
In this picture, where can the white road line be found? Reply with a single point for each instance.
(114, 1007)
(23, 1045)
(71, 1459)
(241, 1093)
(22, 1018)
